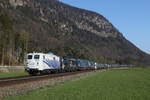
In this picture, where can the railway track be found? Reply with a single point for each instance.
(10, 81)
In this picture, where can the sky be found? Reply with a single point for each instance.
(130, 17)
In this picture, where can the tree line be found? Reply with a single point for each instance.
(13, 45)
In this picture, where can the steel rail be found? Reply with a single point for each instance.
(4, 82)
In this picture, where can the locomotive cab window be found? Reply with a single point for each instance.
(36, 56)
(29, 56)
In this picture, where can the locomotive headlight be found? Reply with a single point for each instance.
(37, 63)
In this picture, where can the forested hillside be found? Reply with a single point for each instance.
(52, 26)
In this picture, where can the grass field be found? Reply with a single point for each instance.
(116, 84)
(13, 74)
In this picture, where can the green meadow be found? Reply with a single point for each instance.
(115, 84)
(3, 75)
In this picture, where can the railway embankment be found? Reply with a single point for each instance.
(115, 84)
(32, 86)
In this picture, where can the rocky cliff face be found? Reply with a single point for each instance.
(70, 31)
(85, 20)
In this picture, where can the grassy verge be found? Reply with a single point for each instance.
(2, 75)
(120, 84)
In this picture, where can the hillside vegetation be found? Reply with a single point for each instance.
(50, 25)
(13, 46)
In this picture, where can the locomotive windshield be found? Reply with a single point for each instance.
(29, 56)
(36, 56)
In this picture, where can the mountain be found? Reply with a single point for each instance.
(50, 25)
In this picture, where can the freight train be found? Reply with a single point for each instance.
(42, 63)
